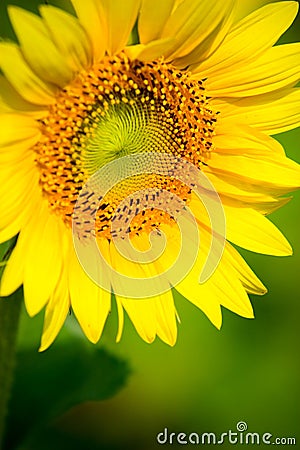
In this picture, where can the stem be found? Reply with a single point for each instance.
(10, 308)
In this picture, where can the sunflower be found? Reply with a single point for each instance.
(179, 77)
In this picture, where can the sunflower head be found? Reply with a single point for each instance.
(135, 131)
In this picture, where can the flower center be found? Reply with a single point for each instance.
(117, 108)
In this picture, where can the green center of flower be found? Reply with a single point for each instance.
(118, 108)
(121, 130)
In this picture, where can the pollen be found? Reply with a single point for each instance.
(116, 108)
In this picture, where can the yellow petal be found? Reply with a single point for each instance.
(18, 192)
(272, 112)
(142, 314)
(120, 18)
(221, 19)
(203, 298)
(152, 316)
(120, 319)
(250, 37)
(27, 129)
(263, 204)
(14, 272)
(174, 246)
(12, 277)
(231, 292)
(251, 230)
(92, 18)
(18, 205)
(192, 22)
(245, 227)
(227, 187)
(132, 271)
(150, 51)
(238, 195)
(90, 303)
(275, 69)
(56, 312)
(246, 275)
(38, 49)
(276, 173)
(10, 230)
(43, 259)
(237, 138)
(269, 207)
(69, 36)
(222, 288)
(202, 295)
(19, 151)
(22, 78)
(11, 101)
(153, 16)
(166, 318)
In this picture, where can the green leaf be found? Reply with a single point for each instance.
(48, 384)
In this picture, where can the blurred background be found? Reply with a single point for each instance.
(210, 380)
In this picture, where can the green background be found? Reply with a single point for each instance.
(248, 371)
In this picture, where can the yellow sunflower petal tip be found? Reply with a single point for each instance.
(19, 16)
